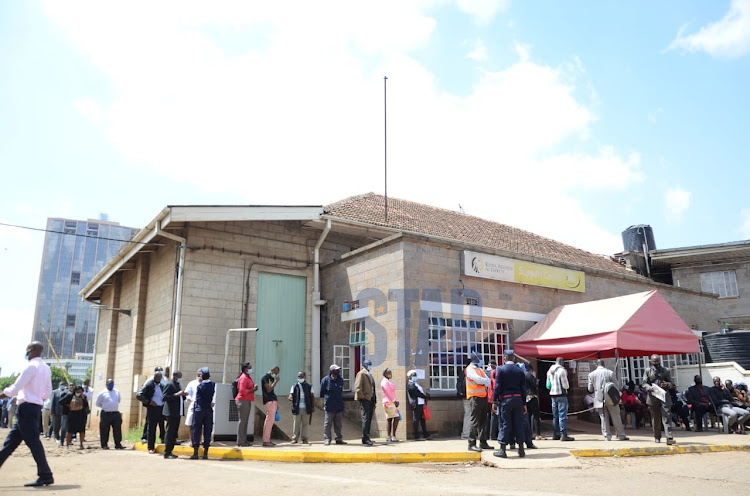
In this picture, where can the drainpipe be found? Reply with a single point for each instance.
(317, 303)
(172, 360)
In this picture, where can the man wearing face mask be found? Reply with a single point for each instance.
(109, 401)
(55, 410)
(246, 405)
(32, 387)
(477, 383)
(151, 395)
(301, 396)
(173, 411)
(364, 392)
(332, 392)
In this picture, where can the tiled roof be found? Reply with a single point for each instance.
(424, 219)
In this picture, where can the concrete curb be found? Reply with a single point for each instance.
(653, 451)
(281, 455)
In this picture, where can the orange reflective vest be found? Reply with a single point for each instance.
(474, 388)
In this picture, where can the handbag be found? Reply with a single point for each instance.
(399, 415)
(277, 417)
(426, 413)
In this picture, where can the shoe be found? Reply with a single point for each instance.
(657, 439)
(464, 437)
(341, 441)
(304, 441)
(420, 439)
(144, 440)
(195, 453)
(687, 428)
(294, 441)
(40, 482)
(512, 446)
(521, 452)
(623, 438)
(531, 446)
(556, 437)
(151, 452)
(699, 429)
(368, 442)
(205, 453)
(500, 453)
(170, 456)
(608, 438)
(120, 447)
(268, 445)
(105, 447)
(671, 442)
(327, 442)
(474, 447)
(394, 440)
(485, 446)
(567, 438)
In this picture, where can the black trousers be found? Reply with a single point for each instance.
(367, 407)
(161, 428)
(478, 418)
(26, 429)
(532, 415)
(153, 417)
(173, 423)
(111, 420)
(419, 420)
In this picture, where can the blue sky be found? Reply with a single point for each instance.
(573, 120)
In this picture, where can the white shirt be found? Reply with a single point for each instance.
(88, 393)
(471, 373)
(108, 401)
(34, 385)
(302, 403)
(191, 389)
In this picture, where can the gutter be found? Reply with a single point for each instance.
(172, 360)
(317, 303)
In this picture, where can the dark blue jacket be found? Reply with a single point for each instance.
(332, 392)
(509, 380)
(204, 396)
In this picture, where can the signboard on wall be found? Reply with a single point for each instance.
(517, 271)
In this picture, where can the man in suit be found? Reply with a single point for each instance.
(364, 392)
(152, 397)
(55, 410)
(598, 379)
(510, 398)
(144, 436)
(173, 395)
(661, 414)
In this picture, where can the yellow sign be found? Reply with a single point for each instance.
(510, 270)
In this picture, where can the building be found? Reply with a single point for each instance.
(77, 368)
(338, 283)
(74, 252)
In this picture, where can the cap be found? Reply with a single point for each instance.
(367, 363)
(508, 352)
(475, 357)
(334, 367)
(411, 373)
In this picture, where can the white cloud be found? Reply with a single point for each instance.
(483, 11)
(478, 51)
(745, 228)
(653, 116)
(298, 116)
(676, 201)
(89, 109)
(727, 38)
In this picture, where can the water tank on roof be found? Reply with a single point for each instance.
(634, 237)
(732, 346)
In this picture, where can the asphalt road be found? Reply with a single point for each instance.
(114, 473)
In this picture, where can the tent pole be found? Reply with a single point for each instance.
(617, 366)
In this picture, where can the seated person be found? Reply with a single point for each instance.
(738, 399)
(722, 398)
(700, 402)
(631, 403)
(680, 408)
(741, 389)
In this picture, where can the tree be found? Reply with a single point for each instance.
(7, 381)
(58, 375)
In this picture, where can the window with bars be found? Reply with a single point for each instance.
(633, 368)
(70, 227)
(451, 340)
(92, 230)
(342, 358)
(723, 283)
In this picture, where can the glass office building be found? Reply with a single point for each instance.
(74, 252)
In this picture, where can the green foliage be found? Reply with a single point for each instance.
(7, 381)
(57, 375)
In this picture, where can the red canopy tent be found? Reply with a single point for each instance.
(633, 325)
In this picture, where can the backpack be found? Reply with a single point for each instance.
(236, 387)
(461, 384)
(611, 394)
(76, 404)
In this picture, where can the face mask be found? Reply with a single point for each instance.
(300, 379)
(62, 387)
(26, 356)
(179, 381)
(273, 375)
(79, 394)
(414, 378)
(481, 363)
(110, 386)
(249, 371)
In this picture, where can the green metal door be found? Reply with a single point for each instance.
(281, 322)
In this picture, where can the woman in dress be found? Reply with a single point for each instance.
(390, 404)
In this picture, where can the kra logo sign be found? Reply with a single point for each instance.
(477, 265)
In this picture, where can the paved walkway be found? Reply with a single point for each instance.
(550, 454)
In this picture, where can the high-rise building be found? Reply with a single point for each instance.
(74, 252)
